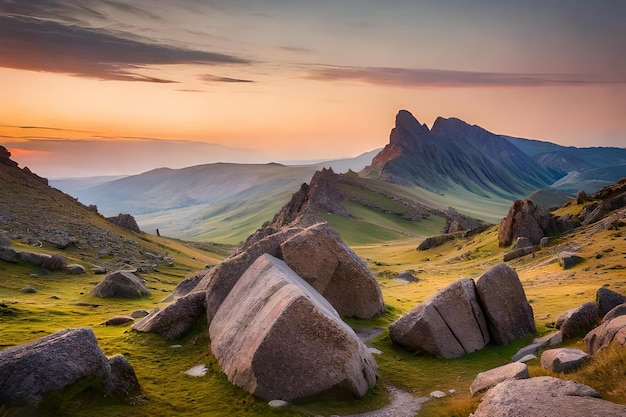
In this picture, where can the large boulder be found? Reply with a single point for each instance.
(578, 321)
(319, 256)
(121, 284)
(68, 361)
(607, 299)
(176, 319)
(278, 338)
(493, 377)
(545, 396)
(525, 219)
(449, 324)
(605, 333)
(504, 304)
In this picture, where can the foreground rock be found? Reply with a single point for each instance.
(504, 303)
(563, 359)
(41, 372)
(121, 284)
(493, 377)
(607, 332)
(277, 338)
(578, 321)
(545, 396)
(449, 324)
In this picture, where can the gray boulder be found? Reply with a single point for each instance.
(276, 337)
(607, 299)
(118, 321)
(75, 269)
(406, 276)
(568, 260)
(518, 253)
(187, 285)
(176, 319)
(70, 360)
(545, 396)
(492, 377)
(123, 380)
(504, 304)
(578, 321)
(523, 242)
(605, 333)
(563, 359)
(9, 254)
(318, 255)
(449, 324)
(121, 284)
(54, 262)
(618, 310)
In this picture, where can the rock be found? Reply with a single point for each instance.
(563, 359)
(121, 284)
(36, 373)
(525, 219)
(544, 242)
(138, 314)
(406, 276)
(619, 310)
(8, 254)
(198, 370)
(605, 333)
(518, 253)
(320, 257)
(51, 262)
(448, 324)
(526, 350)
(99, 270)
(437, 394)
(118, 321)
(278, 404)
(492, 377)
(276, 337)
(124, 381)
(523, 242)
(507, 312)
(5, 241)
(568, 260)
(545, 396)
(551, 339)
(75, 269)
(176, 319)
(186, 286)
(607, 299)
(578, 321)
(526, 358)
(125, 221)
(29, 289)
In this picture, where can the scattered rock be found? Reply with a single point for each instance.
(29, 289)
(578, 321)
(568, 260)
(121, 284)
(545, 396)
(276, 337)
(75, 269)
(198, 370)
(99, 270)
(406, 276)
(54, 262)
(124, 381)
(607, 299)
(544, 242)
(437, 394)
(518, 253)
(186, 286)
(138, 314)
(8, 254)
(605, 333)
(523, 242)
(618, 310)
(118, 321)
(508, 314)
(526, 350)
(278, 404)
(563, 359)
(526, 358)
(550, 339)
(488, 379)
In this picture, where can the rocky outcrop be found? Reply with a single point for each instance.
(125, 221)
(578, 321)
(525, 219)
(607, 332)
(504, 304)
(569, 260)
(121, 284)
(33, 374)
(493, 377)
(545, 396)
(449, 324)
(607, 299)
(277, 338)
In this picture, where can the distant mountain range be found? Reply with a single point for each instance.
(453, 164)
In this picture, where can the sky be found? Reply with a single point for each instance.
(108, 87)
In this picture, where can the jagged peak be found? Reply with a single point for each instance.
(407, 126)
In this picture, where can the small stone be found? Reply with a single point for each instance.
(278, 404)
(199, 370)
(29, 289)
(376, 351)
(176, 346)
(526, 358)
(437, 394)
(75, 269)
(139, 314)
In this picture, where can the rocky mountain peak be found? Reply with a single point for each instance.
(407, 130)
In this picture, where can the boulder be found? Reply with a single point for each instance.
(5, 241)
(618, 310)
(605, 333)
(563, 359)
(125, 221)
(448, 324)
(507, 312)
(118, 321)
(123, 379)
(138, 314)
(318, 255)
(525, 219)
(526, 350)
(9, 254)
(518, 253)
(75, 269)
(276, 337)
(121, 284)
(544, 242)
(35, 373)
(54, 262)
(492, 377)
(176, 319)
(607, 299)
(187, 285)
(578, 321)
(545, 396)
(523, 242)
(568, 260)
(406, 276)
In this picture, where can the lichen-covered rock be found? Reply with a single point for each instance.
(492, 377)
(504, 304)
(449, 324)
(121, 284)
(276, 337)
(578, 321)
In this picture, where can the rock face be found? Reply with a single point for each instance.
(607, 299)
(125, 221)
(545, 396)
(525, 219)
(449, 324)
(31, 373)
(492, 377)
(578, 321)
(605, 333)
(122, 284)
(504, 304)
(277, 338)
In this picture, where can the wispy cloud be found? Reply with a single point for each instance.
(215, 78)
(40, 45)
(405, 77)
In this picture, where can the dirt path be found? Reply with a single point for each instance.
(403, 404)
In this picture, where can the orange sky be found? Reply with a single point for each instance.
(295, 82)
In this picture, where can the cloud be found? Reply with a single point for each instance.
(40, 45)
(406, 77)
(215, 78)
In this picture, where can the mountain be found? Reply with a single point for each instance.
(454, 152)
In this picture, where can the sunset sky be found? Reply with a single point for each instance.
(91, 87)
